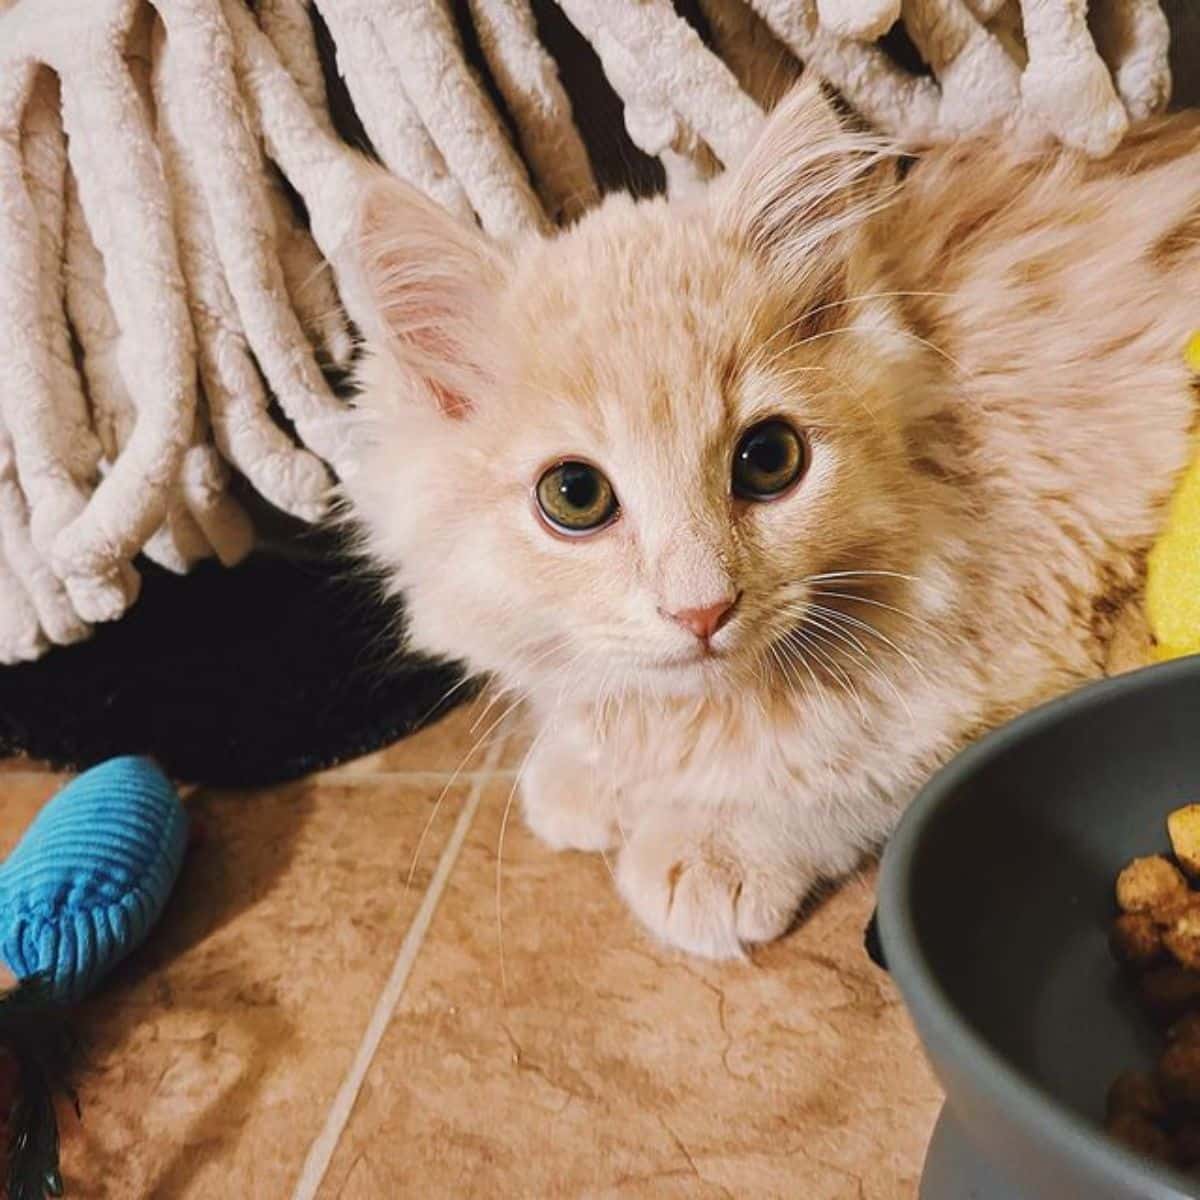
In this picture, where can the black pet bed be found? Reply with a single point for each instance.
(290, 663)
(240, 677)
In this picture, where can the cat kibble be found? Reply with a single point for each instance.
(1156, 935)
(1136, 1092)
(1186, 1029)
(1143, 1135)
(1183, 828)
(1137, 939)
(1169, 992)
(1179, 1074)
(1182, 938)
(1147, 884)
(1186, 1140)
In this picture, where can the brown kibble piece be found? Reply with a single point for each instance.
(1150, 883)
(1186, 1029)
(1136, 939)
(1166, 914)
(1157, 936)
(1182, 939)
(1183, 828)
(1136, 1092)
(1187, 1144)
(1141, 1135)
(1179, 1073)
(1170, 992)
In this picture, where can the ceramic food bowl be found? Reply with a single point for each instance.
(995, 898)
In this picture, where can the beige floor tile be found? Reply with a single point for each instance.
(458, 742)
(19, 764)
(22, 794)
(216, 1050)
(609, 1067)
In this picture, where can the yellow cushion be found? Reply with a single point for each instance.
(1173, 583)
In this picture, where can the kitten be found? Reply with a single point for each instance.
(769, 499)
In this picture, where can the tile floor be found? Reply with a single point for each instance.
(326, 1014)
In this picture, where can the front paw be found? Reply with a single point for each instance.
(564, 811)
(709, 890)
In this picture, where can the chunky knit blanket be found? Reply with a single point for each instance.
(177, 205)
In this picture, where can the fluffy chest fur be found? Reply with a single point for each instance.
(979, 368)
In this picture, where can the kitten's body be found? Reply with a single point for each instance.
(989, 366)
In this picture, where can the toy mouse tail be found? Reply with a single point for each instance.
(41, 1050)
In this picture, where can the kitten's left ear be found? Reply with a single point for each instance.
(808, 178)
(432, 282)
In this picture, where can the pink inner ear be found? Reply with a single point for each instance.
(433, 281)
(436, 347)
(452, 404)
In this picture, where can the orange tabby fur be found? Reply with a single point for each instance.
(986, 357)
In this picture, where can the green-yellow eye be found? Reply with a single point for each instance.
(576, 498)
(770, 457)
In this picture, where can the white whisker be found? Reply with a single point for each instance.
(921, 622)
(565, 675)
(437, 804)
(868, 663)
(816, 644)
(861, 297)
(828, 575)
(907, 333)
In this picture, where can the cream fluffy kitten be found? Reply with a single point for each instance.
(859, 464)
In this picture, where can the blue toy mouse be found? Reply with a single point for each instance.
(80, 891)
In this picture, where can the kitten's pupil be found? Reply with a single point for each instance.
(765, 454)
(579, 486)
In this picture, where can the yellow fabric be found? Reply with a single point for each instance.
(1192, 353)
(1173, 583)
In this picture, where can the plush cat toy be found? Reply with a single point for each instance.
(80, 891)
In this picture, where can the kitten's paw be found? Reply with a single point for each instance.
(695, 890)
(566, 816)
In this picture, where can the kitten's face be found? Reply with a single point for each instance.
(729, 433)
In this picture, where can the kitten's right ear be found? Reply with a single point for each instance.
(809, 177)
(431, 282)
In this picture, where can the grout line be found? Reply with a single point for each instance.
(321, 1151)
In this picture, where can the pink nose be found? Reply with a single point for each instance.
(704, 622)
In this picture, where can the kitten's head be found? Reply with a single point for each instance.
(621, 455)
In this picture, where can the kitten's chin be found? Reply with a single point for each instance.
(672, 675)
(686, 675)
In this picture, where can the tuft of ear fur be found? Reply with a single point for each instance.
(808, 178)
(432, 281)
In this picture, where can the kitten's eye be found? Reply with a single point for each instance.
(770, 457)
(576, 498)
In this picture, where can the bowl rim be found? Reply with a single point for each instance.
(1039, 1116)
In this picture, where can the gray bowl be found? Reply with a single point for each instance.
(995, 898)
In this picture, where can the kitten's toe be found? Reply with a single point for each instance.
(766, 912)
(690, 903)
(704, 898)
